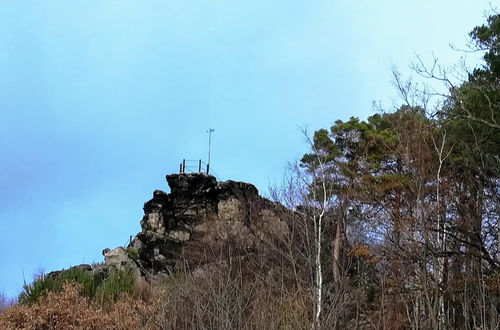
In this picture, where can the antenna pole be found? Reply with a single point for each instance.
(209, 146)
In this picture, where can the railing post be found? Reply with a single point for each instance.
(208, 168)
(183, 166)
(199, 166)
(180, 168)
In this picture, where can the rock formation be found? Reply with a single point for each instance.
(192, 225)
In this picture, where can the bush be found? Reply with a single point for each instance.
(54, 283)
(118, 282)
(68, 309)
(227, 296)
(91, 285)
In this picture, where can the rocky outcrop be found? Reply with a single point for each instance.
(121, 259)
(193, 225)
(197, 219)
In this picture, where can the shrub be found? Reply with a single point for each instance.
(68, 309)
(54, 283)
(226, 296)
(91, 285)
(118, 282)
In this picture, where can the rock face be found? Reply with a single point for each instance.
(120, 259)
(198, 219)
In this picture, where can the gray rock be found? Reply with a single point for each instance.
(192, 224)
(121, 259)
(199, 215)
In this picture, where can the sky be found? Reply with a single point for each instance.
(99, 100)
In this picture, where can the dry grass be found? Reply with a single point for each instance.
(5, 302)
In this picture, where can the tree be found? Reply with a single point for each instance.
(420, 190)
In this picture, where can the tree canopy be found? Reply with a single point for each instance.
(425, 186)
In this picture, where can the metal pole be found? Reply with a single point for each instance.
(209, 145)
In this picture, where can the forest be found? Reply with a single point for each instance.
(416, 192)
(409, 200)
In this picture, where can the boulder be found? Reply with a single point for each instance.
(122, 259)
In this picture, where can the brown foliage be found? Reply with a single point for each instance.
(69, 310)
(5, 302)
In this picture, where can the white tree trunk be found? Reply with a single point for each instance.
(318, 227)
(441, 234)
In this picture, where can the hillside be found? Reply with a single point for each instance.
(205, 235)
(216, 255)
(386, 222)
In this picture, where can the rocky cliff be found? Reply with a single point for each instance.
(192, 225)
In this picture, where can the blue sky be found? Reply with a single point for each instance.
(100, 99)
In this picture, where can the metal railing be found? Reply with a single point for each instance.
(193, 166)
